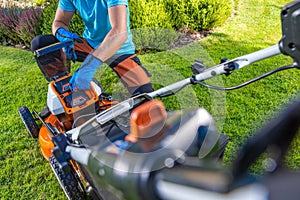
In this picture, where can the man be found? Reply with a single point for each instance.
(107, 38)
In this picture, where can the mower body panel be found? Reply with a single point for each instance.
(64, 112)
(53, 102)
(44, 138)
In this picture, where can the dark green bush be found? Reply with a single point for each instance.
(191, 14)
(153, 39)
(77, 25)
(151, 25)
(236, 2)
(177, 8)
(155, 22)
(149, 13)
(207, 14)
(48, 15)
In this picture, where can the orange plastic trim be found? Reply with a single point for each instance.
(45, 137)
(144, 117)
(93, 97)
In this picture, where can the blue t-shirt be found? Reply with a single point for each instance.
(95, 16)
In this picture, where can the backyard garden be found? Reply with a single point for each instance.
(169, 39)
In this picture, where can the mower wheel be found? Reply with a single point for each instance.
(29, 121)
(69, 182)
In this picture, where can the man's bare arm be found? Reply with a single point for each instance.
(116, 36)
(62, 19)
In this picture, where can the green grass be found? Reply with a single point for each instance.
(25, 174)
(256, 26)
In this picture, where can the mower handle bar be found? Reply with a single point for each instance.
(238, 63)
(222, 68)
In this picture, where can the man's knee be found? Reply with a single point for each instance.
(42, 41)
(146, 88)
(52, 63)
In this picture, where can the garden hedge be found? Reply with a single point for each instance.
(150, 17)
(191, 14)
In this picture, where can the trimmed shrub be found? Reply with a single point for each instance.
(236, 2)
(190, 14)
(41, 2)
(155, 22)
(207, 14)
(149, 13)
(177, 8)
(77, 25)
(153, 39)
(151, 25)
(48, 16)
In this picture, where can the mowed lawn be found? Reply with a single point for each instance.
(24, 174)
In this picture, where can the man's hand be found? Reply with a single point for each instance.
(84, 74)
(63, 35)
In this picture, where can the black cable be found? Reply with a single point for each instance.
(248, 82)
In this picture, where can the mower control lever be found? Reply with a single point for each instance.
(59, 151)
(290, 42)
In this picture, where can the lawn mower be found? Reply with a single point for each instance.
(101, 148)
(141, 124)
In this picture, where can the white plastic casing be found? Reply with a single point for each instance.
(53, 102)
(55, 106)
(97, 89)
